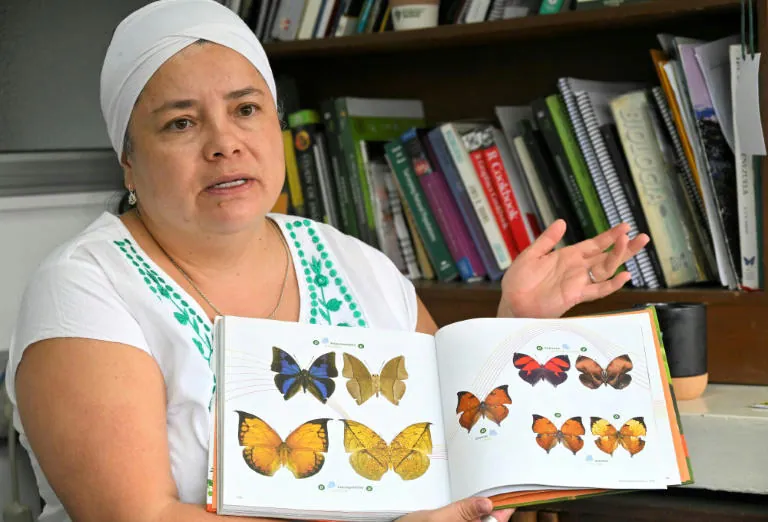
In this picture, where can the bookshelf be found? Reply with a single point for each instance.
(464, 71)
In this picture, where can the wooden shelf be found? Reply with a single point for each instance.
(486, 290)
(650, 12)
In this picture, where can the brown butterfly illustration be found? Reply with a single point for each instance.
(615, 374)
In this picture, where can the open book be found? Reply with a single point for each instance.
(316, 422)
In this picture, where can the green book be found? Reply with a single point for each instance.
(595, 214)
(365, 125)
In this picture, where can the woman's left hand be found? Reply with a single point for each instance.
(547, 283)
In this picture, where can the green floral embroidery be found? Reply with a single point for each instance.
(184, 314)
(320, 274)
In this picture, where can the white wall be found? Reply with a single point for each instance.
(32, 226)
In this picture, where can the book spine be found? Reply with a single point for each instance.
(540, 197)
(437, 150)
(610, 190)
(546, 125)
(476, 194)
(500, 180)
(544, 163)
(594, 210)
(404, 241)
(624, 179)
(347, 214)
(303, 142)
(747, 195)
(443, 207)
(292, 174)
(473, 144)
(519, 182)
(414, 197)
(325, 177)
(357, 180)
(690, 194)
(652, 178)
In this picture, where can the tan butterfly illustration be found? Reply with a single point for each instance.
(362, 384)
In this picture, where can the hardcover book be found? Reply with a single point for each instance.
(320, 422)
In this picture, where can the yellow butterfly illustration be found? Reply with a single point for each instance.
(371, 457)
(302, 452)
(362, 385)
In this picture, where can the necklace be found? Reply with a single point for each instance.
(192, 283)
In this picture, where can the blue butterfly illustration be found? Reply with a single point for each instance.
(291, 378)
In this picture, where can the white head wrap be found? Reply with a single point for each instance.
(148, 37)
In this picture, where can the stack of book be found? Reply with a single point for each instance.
(461, 199)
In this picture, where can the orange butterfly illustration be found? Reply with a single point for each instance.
(609, 438)
(471, 408)
(615, 374)
(569, 434)
(302, 452)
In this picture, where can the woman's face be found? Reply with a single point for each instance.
(206, 144)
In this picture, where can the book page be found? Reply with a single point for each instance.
(339, 445)
(575, 402)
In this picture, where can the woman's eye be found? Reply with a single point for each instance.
(180, 124)
(248, 110)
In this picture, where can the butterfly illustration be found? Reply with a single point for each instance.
(472, 409)
(371, 456)
(265, 452)
(615, 374)
(317, 379)
(628, 437)
(362, 385)
(569, 434)
(532, 372)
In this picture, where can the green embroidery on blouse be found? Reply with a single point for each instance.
(184, 314)
(320, 274)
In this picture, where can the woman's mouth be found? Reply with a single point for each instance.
(229, 184)
(232, 186)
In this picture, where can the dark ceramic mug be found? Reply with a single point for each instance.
(684, 335)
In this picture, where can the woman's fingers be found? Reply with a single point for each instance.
(599, 243)
(602, 289)
(547, 240)
(604, 266)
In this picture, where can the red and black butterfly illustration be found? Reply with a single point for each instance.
(532, 372)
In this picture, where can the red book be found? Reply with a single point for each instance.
(500, 178)
(473, 143)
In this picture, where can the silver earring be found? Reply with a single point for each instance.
(131, 197)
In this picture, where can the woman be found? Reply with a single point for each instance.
(109, 366)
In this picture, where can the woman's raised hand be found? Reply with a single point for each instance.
(546, 283)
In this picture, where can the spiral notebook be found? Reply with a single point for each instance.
(333, 423)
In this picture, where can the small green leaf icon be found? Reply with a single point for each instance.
(617, 416)
(583, 348)
(558, 415)
(315, 342)
(369, 488)
(361, 346)
(539, 348)
(321, 487)
(483, 430)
